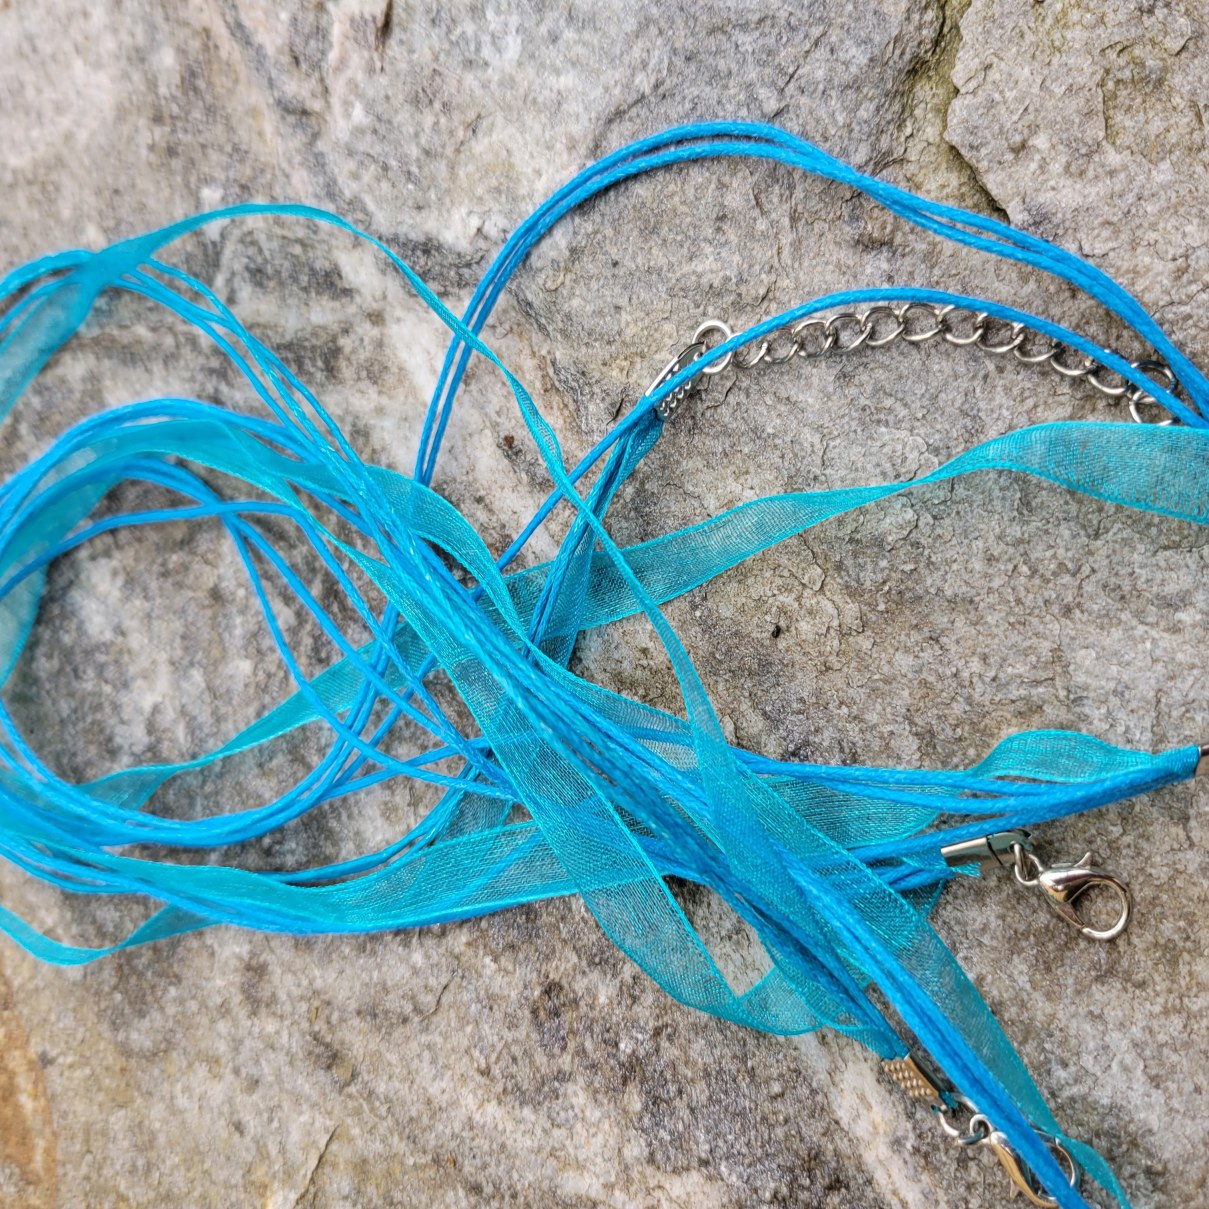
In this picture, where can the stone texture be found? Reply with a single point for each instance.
(519, 1060)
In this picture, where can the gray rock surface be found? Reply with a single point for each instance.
(519, 1060)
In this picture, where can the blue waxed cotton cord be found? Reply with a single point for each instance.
(833, 867)
(778, 145)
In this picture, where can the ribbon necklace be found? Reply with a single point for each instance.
(558, 786)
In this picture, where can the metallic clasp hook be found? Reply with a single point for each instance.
(923, 1082)
(980, 1132)
(1063, 884)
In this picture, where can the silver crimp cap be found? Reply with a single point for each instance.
(684, 358)
(998, 848)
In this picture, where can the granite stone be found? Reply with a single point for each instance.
(520, 1060)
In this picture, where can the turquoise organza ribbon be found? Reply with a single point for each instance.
(559, 787)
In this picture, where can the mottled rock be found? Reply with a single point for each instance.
(519, 1060)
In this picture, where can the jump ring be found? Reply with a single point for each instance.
(722, 329)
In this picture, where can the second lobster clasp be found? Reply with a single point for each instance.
(922, 1081)
(1063, 884)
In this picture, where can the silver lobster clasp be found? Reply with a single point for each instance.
(1018, 1171)
(1063, 884)
(922, 1081)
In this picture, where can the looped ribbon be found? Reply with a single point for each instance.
(560, 787)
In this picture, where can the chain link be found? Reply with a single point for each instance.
(923, 323)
